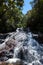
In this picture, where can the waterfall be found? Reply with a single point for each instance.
(27, 49)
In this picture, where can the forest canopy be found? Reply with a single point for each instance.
(11, 15)
(34, 17)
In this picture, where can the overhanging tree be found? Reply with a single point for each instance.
(10, 14)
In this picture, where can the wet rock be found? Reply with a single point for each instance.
(3, 58)
(5, 55)
(1, 41)
(41, 60)
(3, 36)
(12, 51)
(10, 44)
(36, 64)
(7, 50)
(21, 55)
(20, 46)
(10, 55)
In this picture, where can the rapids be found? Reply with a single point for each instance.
(27, 48)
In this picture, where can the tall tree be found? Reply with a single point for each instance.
(10, 13)
(36, 18)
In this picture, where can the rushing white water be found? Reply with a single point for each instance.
(27, 49)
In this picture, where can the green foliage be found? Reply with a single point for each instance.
(10, 14)
(24, 21)
(35, 16)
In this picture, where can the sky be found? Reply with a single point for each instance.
(26, 6)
